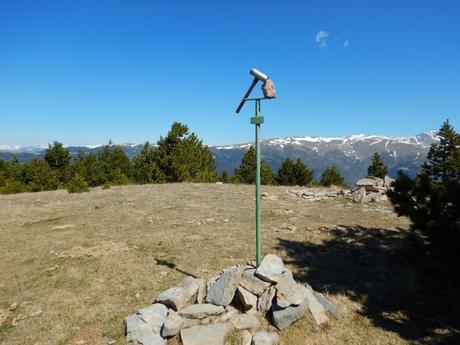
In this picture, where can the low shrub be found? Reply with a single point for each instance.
(77, 185)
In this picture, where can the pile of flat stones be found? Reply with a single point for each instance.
(255, 302)
(371, 189)
(311, 195)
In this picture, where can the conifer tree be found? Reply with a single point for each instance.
(3, 172)
(286, 176)
(78, 165)
(303, 175)
(246, 171)
(224, 176)
(14, 169)
(182, 157)
(112, 164)
(332, 177)
(58, 159)
(377, 167)
(12, 186)
(145, 166)
(77, 185)
(94, 172)
(12, 177)
(267, 176)
(38, 176)
(432, 199)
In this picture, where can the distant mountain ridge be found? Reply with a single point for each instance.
(352, 154)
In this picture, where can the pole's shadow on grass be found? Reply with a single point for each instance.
(374, 267)
(173, 266)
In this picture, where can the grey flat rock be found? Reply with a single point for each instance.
(154, 316)
(143, 336)
(245, 321)
(246, 299)
(139, 332)
(132, 322)
(265, 338)
(211, 282)
(252, 283)
(183, 294)
(271, 268)
(201, 311)
(229, 313)
(265, 301)
(283, 317)
(223, 289)
(359, 195)
(316, 309)
(202, 289)
(173, 325)
(213, 334)
(327, 304)
(288, 291)
(370, 182)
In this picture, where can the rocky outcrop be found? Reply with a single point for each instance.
(371, 189)
(241, 298)
(312, 195)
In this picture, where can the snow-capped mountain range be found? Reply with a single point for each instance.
(351, 154)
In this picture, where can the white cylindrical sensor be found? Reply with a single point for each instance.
(258, 74)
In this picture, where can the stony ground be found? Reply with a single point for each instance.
(77, 264)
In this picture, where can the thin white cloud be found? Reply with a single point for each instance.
(320, 38)
(346, 43)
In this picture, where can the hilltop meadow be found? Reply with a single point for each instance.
(74, 265)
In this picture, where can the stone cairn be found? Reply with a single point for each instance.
(371, 189)
(249, 300)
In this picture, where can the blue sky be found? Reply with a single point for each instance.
(84, 72)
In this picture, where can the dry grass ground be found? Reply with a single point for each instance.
(77, 264)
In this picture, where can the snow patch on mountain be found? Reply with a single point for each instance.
(422, 139)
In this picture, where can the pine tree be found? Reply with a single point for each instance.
(303, 175)
(77, 165)
(432, 199)
(112, 163)
(38, 176)
(246, 171)
(182, 157)
(145, 167)
(77, 185)
(58, 159)
(332, 177)
(3, 172)
(94, 172)
(286, 176)
(267, 176)
(14, 169)
(12, 177)
(12, 186)
(377, 167)
(120, 166)
(224, 176)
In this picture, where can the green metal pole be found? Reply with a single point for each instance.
(258, 223)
